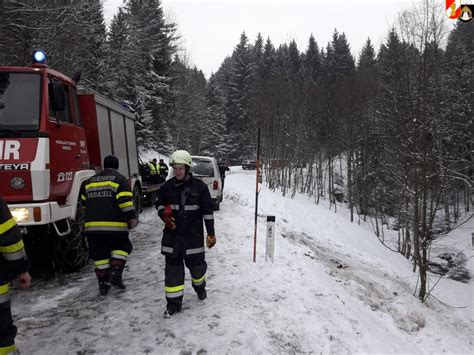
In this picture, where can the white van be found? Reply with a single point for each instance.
(207, 170)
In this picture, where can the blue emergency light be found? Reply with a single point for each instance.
(39, 56)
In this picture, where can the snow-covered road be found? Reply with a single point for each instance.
(332, 289)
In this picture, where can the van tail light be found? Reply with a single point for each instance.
(215, 185)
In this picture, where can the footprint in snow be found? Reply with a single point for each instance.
(213, 325)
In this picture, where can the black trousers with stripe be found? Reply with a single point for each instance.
(7, 328)
(101, 246)
(174, 273)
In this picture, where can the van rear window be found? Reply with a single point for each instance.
(202, 168)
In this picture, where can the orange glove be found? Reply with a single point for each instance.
(170, 222)
(211, 241)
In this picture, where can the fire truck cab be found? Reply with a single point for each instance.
(53, 137)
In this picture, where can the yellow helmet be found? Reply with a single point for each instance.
(181, 157)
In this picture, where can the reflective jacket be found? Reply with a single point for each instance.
(13, 260)
(190, 202)
(154, 169)
(108, 203)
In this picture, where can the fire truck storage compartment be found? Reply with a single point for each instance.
(112, 133)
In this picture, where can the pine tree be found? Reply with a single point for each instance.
(368, 145)
(213, 141)
(240, 122)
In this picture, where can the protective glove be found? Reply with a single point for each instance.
(170, 222)
(211, 241)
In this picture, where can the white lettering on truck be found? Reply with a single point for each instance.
(10, 148)
(14, 166)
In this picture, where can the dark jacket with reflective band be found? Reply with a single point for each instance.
(108, 203)
(13, 260)
(188, 237)
(163, 169)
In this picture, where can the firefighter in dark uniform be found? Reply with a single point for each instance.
(163, 170)
(183, 202)
(13, 261)
(109, 214)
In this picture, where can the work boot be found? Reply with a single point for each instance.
(104, 288)
(115, 274)
(172, 308)
(115, 277)
(103, 279)
(202, 294)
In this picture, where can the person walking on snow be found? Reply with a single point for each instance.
(222, 169)
(109, 214)
(183, 202)
(13, 261)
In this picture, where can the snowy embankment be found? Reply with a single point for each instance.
(333, 289)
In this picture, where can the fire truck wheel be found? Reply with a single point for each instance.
(40, 248)
(71, 250)
(137, 199)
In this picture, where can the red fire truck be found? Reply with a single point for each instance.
(54, 136)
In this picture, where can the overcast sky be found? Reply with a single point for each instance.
(211, 29)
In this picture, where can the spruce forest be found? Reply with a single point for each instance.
(388, 132)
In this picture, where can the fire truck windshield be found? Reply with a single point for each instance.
(19, 102)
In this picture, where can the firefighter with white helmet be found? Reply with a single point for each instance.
(183, 202)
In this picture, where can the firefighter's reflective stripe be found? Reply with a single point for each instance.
(10, 349)
(194, 251)
(208, 216)
(4, 293)
(173, 207)
(99, 186)
(102, 264)
(191, 207)
(6, 226)
(198, 282)
(13, 248)
(83, 197)
(123, 194)
(126, 206)
(167, 249)
(13, 252)
(15, 255)
(105, 226)
(119, 254)
(175, 291)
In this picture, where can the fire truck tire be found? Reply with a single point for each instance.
(39, 248)
(71, 250)
(137, 199)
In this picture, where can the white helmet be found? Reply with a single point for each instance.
(181, 157)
